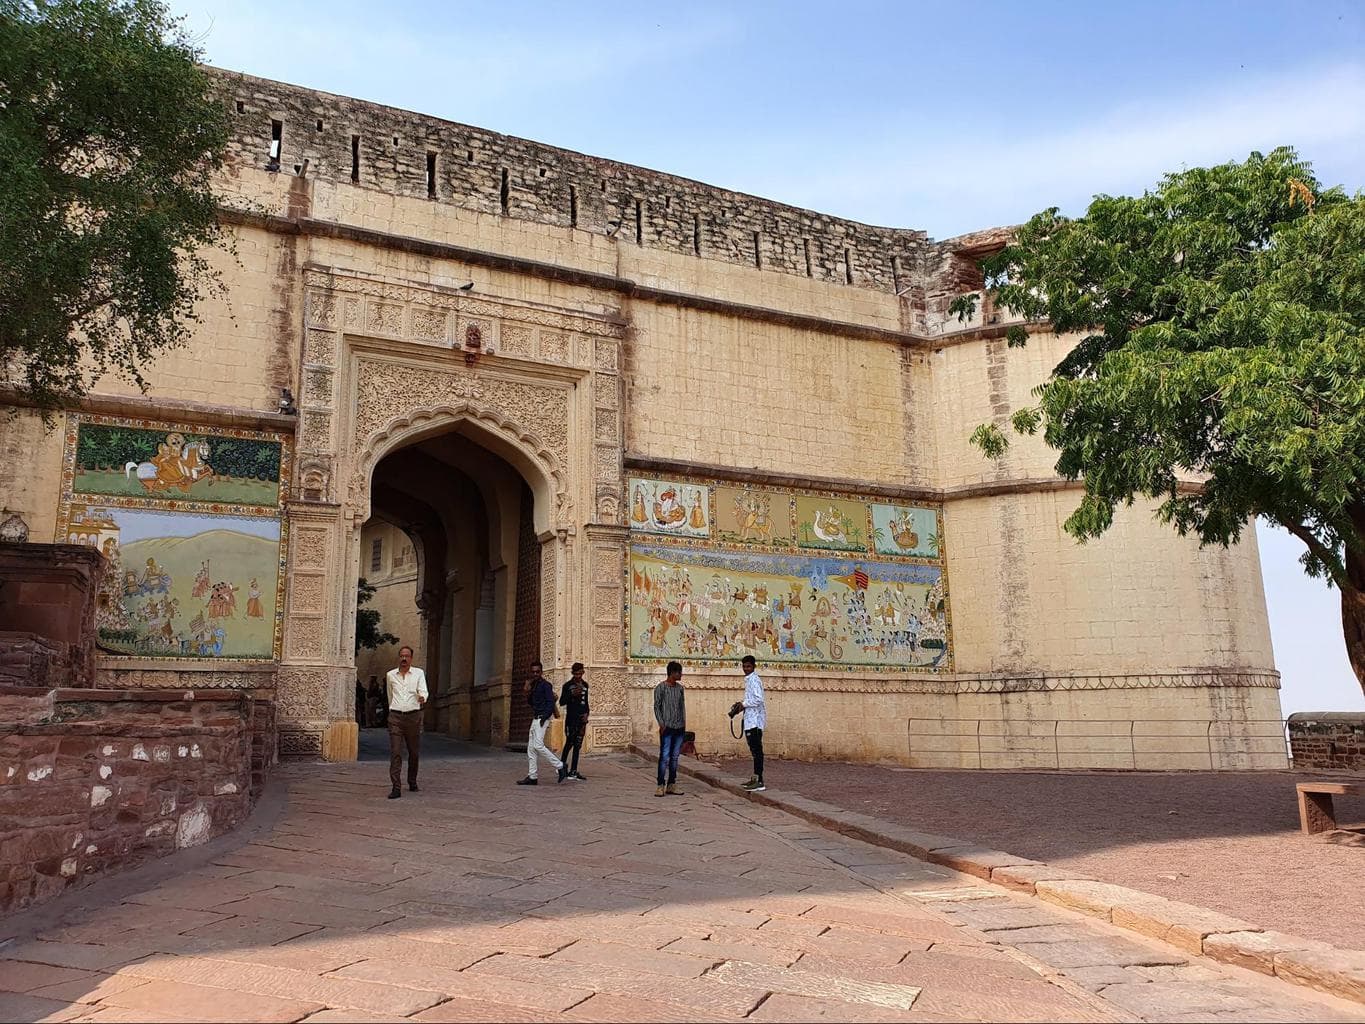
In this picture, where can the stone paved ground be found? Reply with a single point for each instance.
(1228, 841)
(475, 900)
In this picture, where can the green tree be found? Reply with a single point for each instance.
(367, 631)
(1221, 365)
(110, 136)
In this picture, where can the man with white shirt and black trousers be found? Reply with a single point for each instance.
(407, 688)
(755, 720)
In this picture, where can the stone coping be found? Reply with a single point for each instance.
(67, 694)
(1191, 929)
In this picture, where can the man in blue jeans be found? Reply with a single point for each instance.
(671, 713)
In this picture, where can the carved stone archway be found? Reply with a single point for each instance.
(383, 367)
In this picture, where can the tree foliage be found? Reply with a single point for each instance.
(367, 632)
(1221, 363)
(109, 140)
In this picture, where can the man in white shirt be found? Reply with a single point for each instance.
(755, 720)
(407, 693)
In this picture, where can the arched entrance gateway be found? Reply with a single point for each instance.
(487, 432)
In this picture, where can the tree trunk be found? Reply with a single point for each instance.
(1353, 617)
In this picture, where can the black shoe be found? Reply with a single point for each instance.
(395, 793)
(579, 776)
(528, 781)
(563, 773)
(412, 787)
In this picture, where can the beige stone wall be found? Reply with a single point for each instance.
(609, 356)
(395, 584)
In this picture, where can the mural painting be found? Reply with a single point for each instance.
(189, 521)
(701, 605)
(905, 530)
(669, 507)
(180, 585)
(745, 515)
(113, 459)
(834, 524)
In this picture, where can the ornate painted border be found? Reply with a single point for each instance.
(276, 511)
(945, 667)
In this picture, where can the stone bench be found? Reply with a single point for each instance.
(1316, 813)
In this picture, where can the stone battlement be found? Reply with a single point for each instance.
(419, 156)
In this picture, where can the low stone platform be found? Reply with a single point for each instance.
(477, 900)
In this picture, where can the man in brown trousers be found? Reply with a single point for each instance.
(407, 693)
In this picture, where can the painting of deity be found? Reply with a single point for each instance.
(116, 459)
(181, 584)
(905, 530)
(747, 515)
(670, 507)
(834, 524)
(704, 605)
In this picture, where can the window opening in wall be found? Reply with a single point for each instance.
(696, 234)
(504, 194)
(573, 207)
(758, 250)
(395, 140)
(469, 155)
(377, 554)
(810, 270)
(431, 175)
(604, 184)
(276, 142)
(542, 172)
(319, 124)
(355, 157)
(848, 266)
(668, 202)
(639, 223)
(241, 107)
(896, 274)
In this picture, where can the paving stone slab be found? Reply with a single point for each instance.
(1338, 971)
(1098, 951)
(1256, 950)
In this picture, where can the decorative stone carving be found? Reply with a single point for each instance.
(606, 644)
(605, 426)
(608, 505)
(301, 694)
(605, 392)
(307, 593)
(608, 564)
(607, 462)
(386, 318)
(609, 688)
(428, 323)
(321, 310)
(516, 341)
(352, 314)
(310, 544)
(606, 603)
(305, 637)
(315, 475)
(320, 347)
(317, 387)
(554, 347)
(606, 358)
(583, 356)
(300, 744)
(13, 530)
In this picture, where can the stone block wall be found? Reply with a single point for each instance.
(47, 606)
(1328, 740)
(93, 781)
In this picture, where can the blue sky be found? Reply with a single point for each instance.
(943, 117)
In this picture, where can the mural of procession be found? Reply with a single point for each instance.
(189, 523)
(817, 578)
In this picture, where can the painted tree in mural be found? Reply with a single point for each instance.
(1222, 317)
(368, 634)
(109, 140)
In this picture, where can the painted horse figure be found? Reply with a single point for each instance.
(177, 465)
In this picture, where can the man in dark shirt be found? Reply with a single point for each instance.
(541, 695)
(670, 711)
(574, 700)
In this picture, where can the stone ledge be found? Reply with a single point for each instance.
(1191, 929)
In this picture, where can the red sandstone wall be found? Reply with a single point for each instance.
(95, 780)
(1333, 741)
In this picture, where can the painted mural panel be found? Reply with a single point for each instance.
(184, 585)
(702, 604)
(189, 519)
(118, 458)
(750, 515)
(833, 524)
(669, 507)
(905, 530)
